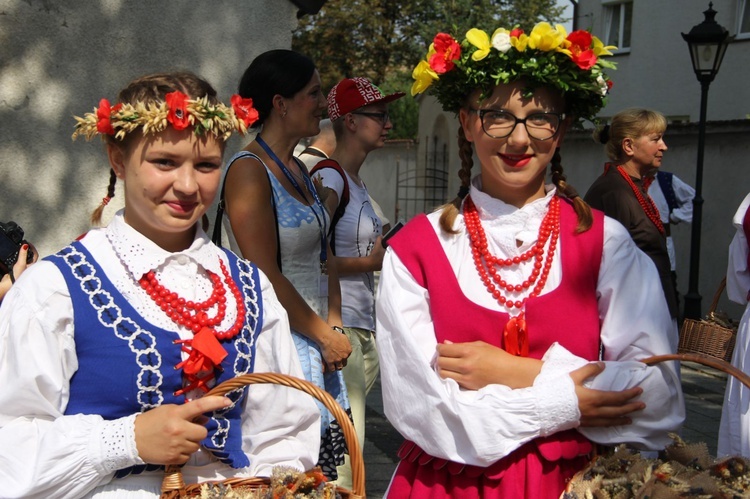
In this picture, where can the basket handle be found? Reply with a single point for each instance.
(706, 360)
(717, 295)
(173, 474)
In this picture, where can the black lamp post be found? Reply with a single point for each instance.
(707, 42)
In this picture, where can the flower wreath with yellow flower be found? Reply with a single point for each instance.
(177, 110)
(548, 56)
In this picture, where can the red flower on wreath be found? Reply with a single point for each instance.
(517, 32)
(244, 110)
(580, 49)
(177, 115)
(447, 50)
(104, 117)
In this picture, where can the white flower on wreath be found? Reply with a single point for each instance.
(501, 40)
(602, 85)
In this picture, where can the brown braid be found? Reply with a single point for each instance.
(96, 215)
(450, 210)
(583, 210)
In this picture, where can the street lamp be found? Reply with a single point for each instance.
(707, 42)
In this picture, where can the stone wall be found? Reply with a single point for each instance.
(61, 57)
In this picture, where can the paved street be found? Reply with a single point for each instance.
(704, 393)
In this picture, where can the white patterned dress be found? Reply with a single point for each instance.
(299, 242)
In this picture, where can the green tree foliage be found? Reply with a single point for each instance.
(384, 39)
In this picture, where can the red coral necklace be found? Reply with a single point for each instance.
(652, 212)
(515, 335)
(205, 351)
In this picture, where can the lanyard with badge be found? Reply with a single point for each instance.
(323, 277)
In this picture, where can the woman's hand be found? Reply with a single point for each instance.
(171, 433)
(18, 268)
(603, 408)
(377, 254)
(477, 364)
(335, 349)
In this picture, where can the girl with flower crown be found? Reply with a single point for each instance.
(510, 323)
(108, 346)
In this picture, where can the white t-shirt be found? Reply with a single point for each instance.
(355, 236)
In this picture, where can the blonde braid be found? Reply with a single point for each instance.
(450, 210)
(96, 215)
(583, 210)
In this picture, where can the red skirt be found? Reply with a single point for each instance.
(539, 469)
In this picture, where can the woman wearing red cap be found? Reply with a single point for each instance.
(359, 112)
(276, 218)
(496, 313)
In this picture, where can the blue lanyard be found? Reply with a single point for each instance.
(322, 225)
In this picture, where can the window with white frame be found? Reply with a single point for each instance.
(618, 20)
(743, 18)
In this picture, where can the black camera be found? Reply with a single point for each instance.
(11, 240)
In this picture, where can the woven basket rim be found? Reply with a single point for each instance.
(174, 486)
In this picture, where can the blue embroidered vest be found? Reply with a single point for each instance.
(126, 365)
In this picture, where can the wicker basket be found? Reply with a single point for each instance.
(174, 486)
(707, 336)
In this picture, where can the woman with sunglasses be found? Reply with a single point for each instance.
(510, 322)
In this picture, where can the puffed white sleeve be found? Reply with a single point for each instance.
(684, 194)
(282, 425)
(635, 324)
(466, 426)
(43, 452)
(738, 273)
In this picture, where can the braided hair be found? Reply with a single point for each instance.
(450, 211)
(565, 190)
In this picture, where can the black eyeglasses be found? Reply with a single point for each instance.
(500, 124)
(381, 117)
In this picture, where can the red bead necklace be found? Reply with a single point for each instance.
(652, 212)
(205, 351)
(515, 333)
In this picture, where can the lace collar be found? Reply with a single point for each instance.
(140, 255)
(492, 209)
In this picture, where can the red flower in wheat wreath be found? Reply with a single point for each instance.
(447, 50)
(177, 114)
(104, 117)
(580, 49)
(244, 110)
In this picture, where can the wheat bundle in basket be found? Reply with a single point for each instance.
(284, 483)
(683, 470)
